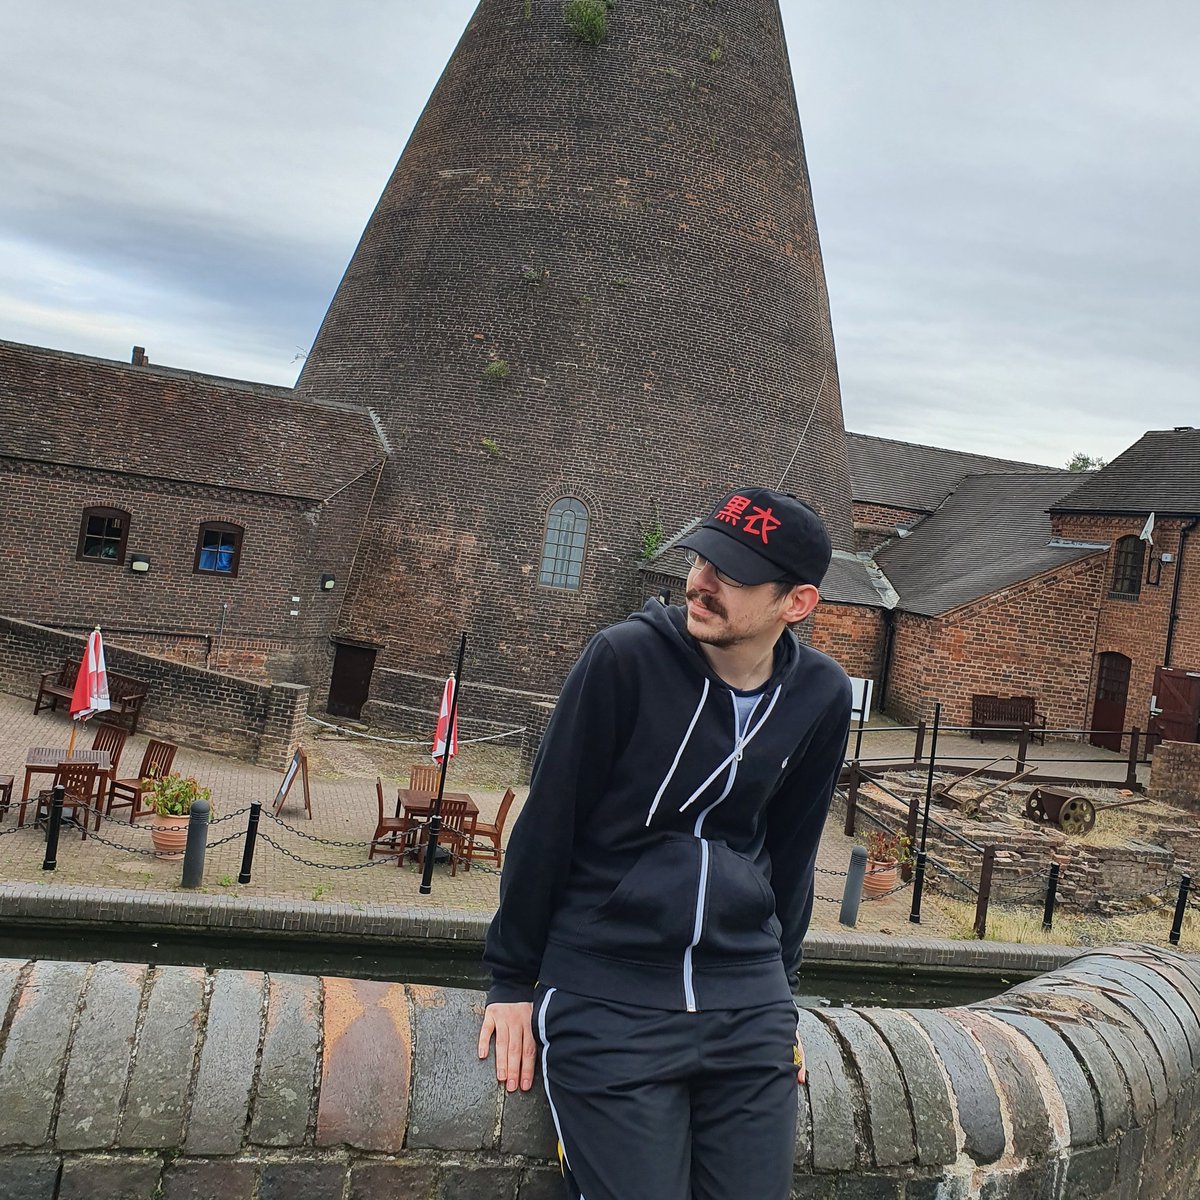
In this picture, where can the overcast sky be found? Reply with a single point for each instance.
(1006, 193)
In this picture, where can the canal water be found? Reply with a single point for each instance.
(455, 964)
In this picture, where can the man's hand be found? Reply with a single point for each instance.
(801, 1069)
(516, 1051)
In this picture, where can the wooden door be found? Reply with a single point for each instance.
(1112, 693)
(350, 684)
(1175, 708)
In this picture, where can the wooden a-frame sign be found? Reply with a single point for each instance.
(299, 763)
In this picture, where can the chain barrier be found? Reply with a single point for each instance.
(312, 837)
(127, 849)
(11, 829)
(307, 862)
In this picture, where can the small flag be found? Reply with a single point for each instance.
(443, 724)
(1147, 534)
(91, 684)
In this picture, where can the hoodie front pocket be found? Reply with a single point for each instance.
(740, 906)
(651, 912)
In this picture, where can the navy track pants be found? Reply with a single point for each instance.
(657, 1105)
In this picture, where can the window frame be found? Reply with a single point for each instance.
(1129, 559)
(107, 511)
(581, 510)
(239, 534)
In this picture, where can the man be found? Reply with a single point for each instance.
(659, 881)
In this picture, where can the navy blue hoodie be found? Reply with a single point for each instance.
(661, 858)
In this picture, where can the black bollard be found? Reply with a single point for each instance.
(1180, 908)
(1051, 889)
(197, 843)
(251, 835)
(852, 894)
(53, 825)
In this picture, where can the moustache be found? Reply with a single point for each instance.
(706, 600)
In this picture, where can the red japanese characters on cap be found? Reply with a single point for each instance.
(756, 535)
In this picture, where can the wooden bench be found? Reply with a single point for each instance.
(1006, 712)
(125, 693)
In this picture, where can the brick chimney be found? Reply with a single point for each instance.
(138, 358)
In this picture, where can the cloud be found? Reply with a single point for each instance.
(1005, 194)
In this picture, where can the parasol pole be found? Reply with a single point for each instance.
(435, 811)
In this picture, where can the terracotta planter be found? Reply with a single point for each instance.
(169, 835)
(882, 876)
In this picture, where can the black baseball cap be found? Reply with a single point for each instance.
(756, 535)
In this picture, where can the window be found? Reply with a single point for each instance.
(1127, 573)
(102, 534)
(218, 549)
(562, 552)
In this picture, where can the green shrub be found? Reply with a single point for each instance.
(497, 369)
(587, 19)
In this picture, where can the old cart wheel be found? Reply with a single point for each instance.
(1077, 815)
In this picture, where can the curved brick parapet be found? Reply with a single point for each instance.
(122, 1080)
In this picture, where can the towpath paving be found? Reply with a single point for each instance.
(291, 865)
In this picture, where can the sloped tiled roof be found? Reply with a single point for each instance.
(147, 420)
(1159, 473)
(990, 533)
(909, 475)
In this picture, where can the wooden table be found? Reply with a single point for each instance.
(45, 760)
(419, 806)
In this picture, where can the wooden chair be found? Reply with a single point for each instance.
(128, 793)
(393, 835)
(456, 835)
(6, 787)
(79, 783)
(111, 739)
(424, 779)
(493, 831)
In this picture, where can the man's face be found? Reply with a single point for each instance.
(723, 615)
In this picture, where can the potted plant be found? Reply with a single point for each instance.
(171, 798)
(887, 852)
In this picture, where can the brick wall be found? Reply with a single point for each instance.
(183, 1083)
(880, 514)
(647, 266)
(1032, 639)
(1137, 628)
(1175, 774)
(241, 623)
(853, 635)
(258, 722)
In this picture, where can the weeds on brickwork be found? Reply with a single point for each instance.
(534, 274)
(320, 890)
(652, 538)
(528, 9)
(498, 369)
(490, 448)
(225, 881)
(587, 19)
(714, 55)
(621, 281)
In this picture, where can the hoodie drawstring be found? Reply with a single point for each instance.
(662, 787)
(736, 753)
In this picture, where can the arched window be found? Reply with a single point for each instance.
(102, 536)
(218, 549)
(1127, 569)
(562, 551)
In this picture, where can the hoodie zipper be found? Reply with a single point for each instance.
(739, 744)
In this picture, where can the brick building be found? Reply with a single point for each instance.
(1146, 665)
(1034, 582)
(192, 516)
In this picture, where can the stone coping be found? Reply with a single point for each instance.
(139, 1082)
(80, 906)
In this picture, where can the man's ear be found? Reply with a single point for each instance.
(800, 601)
